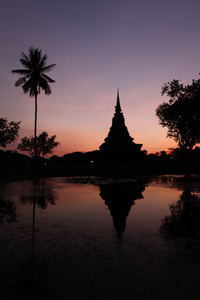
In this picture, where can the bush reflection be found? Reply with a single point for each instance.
(7, 211)
(184, 218)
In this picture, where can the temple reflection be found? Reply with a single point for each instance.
(119, 197)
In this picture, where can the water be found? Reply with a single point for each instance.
(93, 240)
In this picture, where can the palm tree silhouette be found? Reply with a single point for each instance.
(34, 78)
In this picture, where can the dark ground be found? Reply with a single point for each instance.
(77, 265)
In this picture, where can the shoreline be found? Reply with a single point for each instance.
(14, 172)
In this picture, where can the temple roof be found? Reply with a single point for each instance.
(118, 106)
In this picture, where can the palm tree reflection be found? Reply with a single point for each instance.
(40, 195)
(119, 197)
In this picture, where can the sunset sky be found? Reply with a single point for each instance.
(98, 46)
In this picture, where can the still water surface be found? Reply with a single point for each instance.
(46, 202)
(63, 239)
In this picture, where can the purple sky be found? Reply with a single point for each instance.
(98, 46)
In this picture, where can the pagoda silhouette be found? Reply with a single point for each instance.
(118, 145)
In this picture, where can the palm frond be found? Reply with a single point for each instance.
(50, 80)
(33, 52)
(34, 78)
(22, 71)
(48, 68)
(43, 62)
(35, 56)
(48, 90)
(26, 64)
(29, 87)
(26, 87)
(20, 81)
(44, 85)
(25, 61)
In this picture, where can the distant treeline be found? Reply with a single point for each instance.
(160, 162)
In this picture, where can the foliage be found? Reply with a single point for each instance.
(181, 115)
(184, 216)
(45, 144)
(27, 145)
(34, 78)
(8, 131)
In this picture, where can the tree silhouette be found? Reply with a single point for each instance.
(34, 78)
(8, 131)
(181, 115)
(45, 144)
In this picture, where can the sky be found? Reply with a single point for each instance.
(98, 46)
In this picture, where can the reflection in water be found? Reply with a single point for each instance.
(7, 211)
(119, 197)
(185, 216)
(74, 251)
(39, 194)
(184, 219)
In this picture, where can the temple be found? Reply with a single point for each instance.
(119, 145)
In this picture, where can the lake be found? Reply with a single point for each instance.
(100, 238)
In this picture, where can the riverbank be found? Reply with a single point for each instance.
(14, 165)
(14, 172)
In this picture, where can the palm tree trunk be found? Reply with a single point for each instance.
(35, 127)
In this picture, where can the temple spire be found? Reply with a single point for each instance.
(119, 145)
(118, 106)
